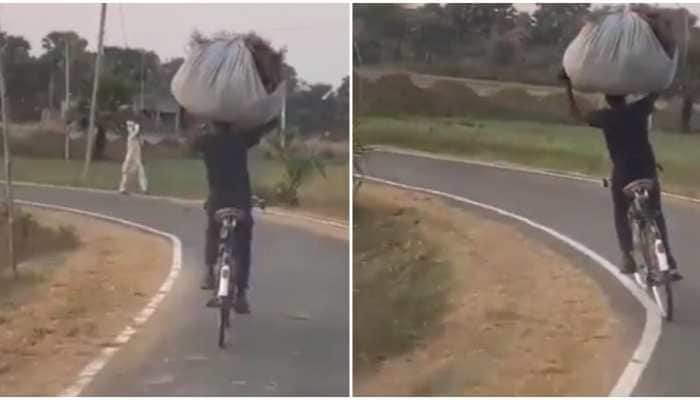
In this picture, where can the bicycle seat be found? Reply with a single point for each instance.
(639, 184)
(228, 212)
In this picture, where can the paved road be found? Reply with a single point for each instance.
(295, 342)
(583, 212)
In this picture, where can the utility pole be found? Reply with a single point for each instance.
(283, 122)
(66, 105)
(95, 87)
(143, 56)
(9, 202)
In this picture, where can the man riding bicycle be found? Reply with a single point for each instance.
(625, 127)
(225, 152)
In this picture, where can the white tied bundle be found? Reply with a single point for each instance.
(219, 81)
(619, 54)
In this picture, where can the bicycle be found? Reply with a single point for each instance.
(226, 268)
(649, 252)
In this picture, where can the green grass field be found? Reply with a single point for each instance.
(543, 145)
(186, 178)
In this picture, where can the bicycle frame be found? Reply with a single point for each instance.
(649, 252)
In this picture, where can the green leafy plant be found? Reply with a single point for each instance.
(300, 162)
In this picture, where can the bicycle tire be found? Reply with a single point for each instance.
(224, 322)
(663, 295)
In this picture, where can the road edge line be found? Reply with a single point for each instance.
(652, 326)
(88, 373)
(508, 167)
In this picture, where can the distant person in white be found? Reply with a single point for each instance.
(132, 162)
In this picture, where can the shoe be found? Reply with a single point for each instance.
(628, 265)
(213, 302)
(207, 279)
(675, 275)
(240, 305)
(123, 191)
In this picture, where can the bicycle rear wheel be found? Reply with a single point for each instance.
(224, 320)
(660, 284)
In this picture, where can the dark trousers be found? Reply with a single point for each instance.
(243, 236)
(622, 204)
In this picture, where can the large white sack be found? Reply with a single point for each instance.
(619, 54)
(219, 81)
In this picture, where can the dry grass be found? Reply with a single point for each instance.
(68, 306)
(484, 332)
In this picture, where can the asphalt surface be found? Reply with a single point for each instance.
(295, 342)
(582, 211)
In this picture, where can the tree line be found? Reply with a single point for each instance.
(491, 41)
(36, 83)
(436, 33)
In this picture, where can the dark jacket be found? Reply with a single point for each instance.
(225, 154)
(627, 137)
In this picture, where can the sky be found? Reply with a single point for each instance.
(316, 35)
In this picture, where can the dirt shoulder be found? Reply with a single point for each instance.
(69, 305)
(518, 318)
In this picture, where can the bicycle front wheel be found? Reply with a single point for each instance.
(663, 295)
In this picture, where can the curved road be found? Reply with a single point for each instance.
(582, 211)
(295, 342)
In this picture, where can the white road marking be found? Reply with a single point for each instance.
(509, 167)
(95, 366)
(652, 327)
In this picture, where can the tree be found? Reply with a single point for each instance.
(115, 91)
(127, 64)
(472, 23)
(557, 24)
(167, 72)
(290, 75)
(16, 48)
(25, 78)
(431, 34)
(309, 109)
(54, 45)
(386, 22)
(687, 86)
